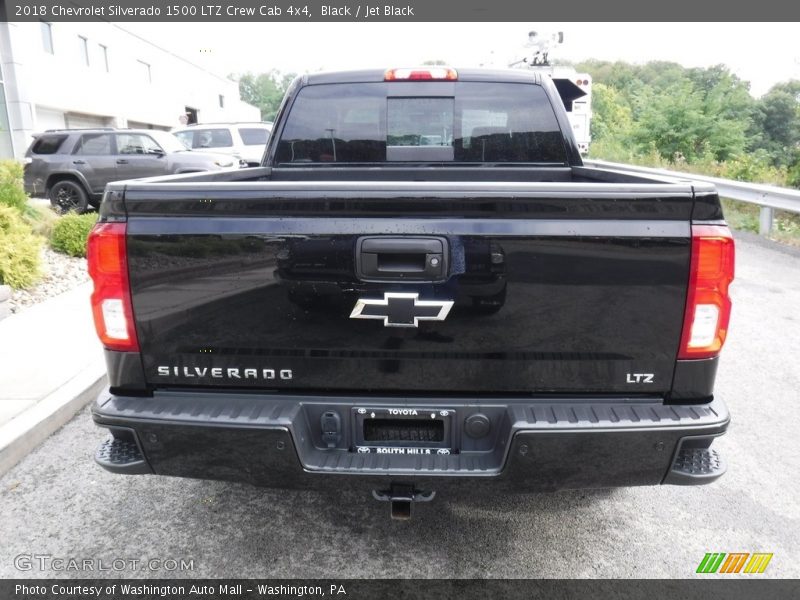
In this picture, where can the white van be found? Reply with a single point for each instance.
(245, 141)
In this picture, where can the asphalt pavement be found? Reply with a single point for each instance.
(56, 503)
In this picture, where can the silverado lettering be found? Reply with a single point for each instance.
(415, 238)
(219, 373)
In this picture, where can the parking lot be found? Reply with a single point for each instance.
(57, 502)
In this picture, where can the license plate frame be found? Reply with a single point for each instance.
(362, 415)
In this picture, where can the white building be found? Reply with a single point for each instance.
(57, 75)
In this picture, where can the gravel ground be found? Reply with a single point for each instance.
(61, 274)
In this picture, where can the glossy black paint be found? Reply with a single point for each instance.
(694, 380)
(578, 202)
(536, 310)
(125, 371)
(707, 207)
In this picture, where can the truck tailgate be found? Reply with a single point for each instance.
(567, 288)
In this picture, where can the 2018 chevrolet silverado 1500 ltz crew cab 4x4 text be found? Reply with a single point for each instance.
(421, 289)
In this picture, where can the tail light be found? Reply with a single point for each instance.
(708, 306)
(111, 300)
(424, 73)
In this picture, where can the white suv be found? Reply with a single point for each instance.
(245, 141)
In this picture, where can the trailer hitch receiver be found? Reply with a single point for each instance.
(401, 496)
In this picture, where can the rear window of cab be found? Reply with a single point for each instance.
(479, 123)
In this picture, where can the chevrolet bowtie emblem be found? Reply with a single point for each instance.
(401, 309)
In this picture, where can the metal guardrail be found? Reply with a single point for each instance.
(768, 197)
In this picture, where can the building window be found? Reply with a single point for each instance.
(47, 37)
(84, 49)
(145, 71)
(104, 54)
(221, 101)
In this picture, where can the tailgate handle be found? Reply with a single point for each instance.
(407, 259)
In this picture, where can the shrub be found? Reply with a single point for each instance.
(740, 215)
(612, 150)
(42, 219)
(793, 175)
(754, 167)
(787, 228)
(20, 261)
(71, 232)
(12, 192)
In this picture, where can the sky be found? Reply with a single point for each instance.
(762, 53)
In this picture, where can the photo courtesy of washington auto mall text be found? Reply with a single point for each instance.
(170, 590)
(422, 299)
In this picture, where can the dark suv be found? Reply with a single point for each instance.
(73, 166)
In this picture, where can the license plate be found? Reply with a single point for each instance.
(403, 430)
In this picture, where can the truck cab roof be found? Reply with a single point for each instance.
(466, 74)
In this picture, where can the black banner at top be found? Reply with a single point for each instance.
(398, 10)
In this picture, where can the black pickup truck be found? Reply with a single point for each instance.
(421, 289)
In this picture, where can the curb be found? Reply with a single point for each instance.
(22, 434)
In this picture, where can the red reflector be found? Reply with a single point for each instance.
(111, 299)
(708, 305)
(422, 73)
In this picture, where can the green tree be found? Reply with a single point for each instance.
(680, 113)
(671, 120)
(661, 74)
(776, 125)
(265, 90)
(612, 124)
(612, 113)
(729, 107)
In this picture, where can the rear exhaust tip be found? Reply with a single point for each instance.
(401, 496)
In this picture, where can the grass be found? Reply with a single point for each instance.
(42, 219)
(786, 228)
(744, 217)
(741, 215)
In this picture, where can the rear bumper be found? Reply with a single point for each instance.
(531, 445)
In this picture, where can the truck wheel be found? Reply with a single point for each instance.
(68, 196)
